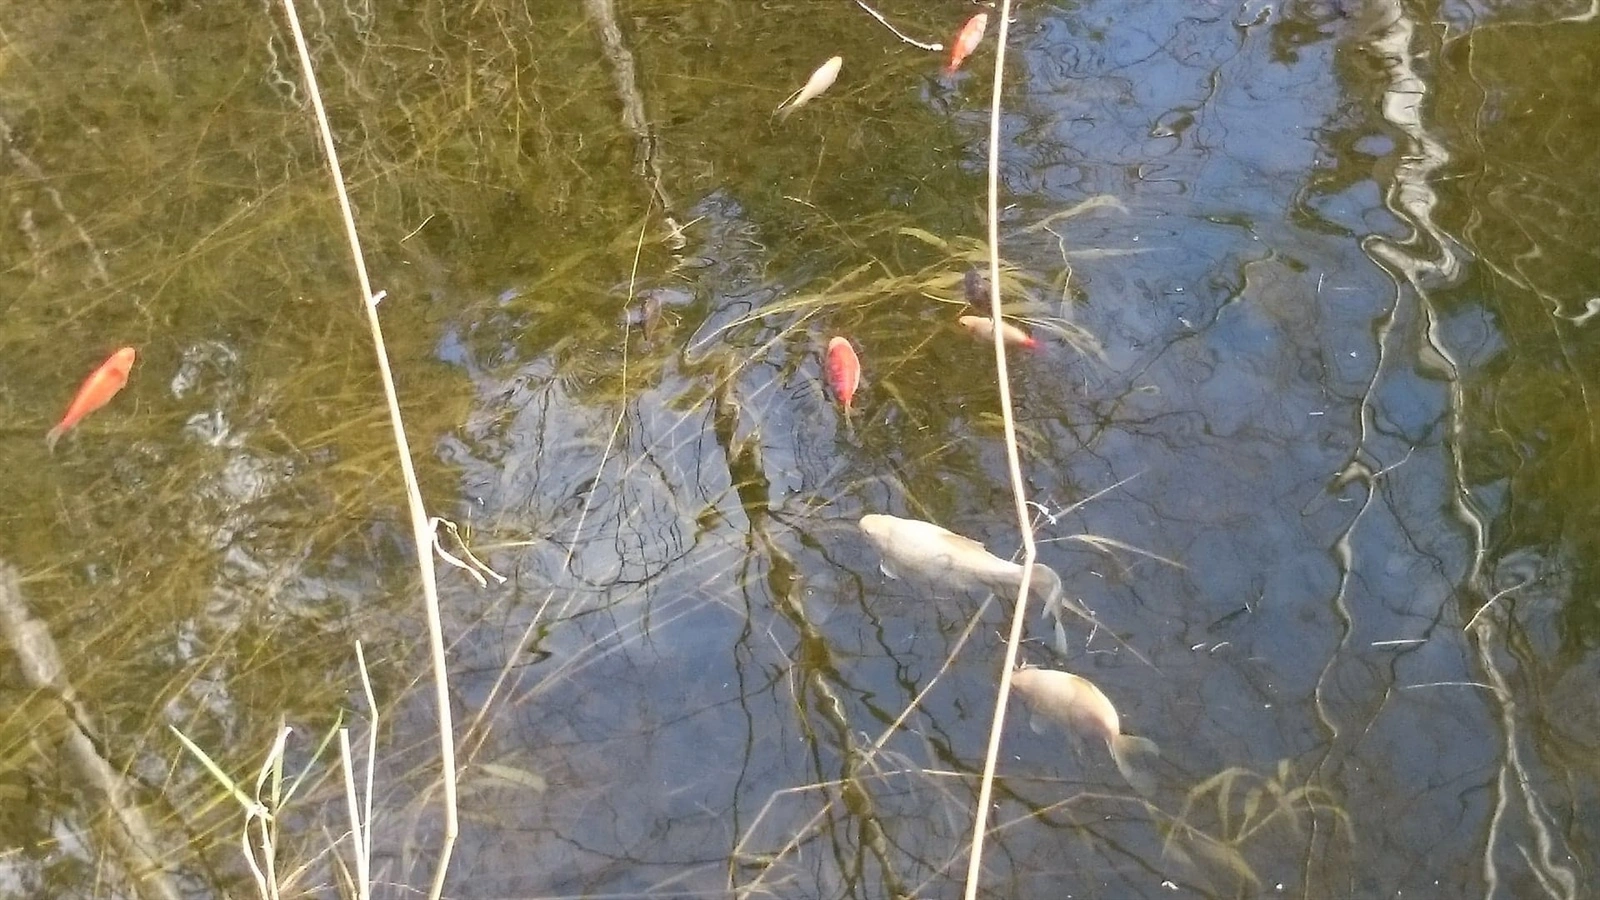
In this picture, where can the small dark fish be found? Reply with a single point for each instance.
(645, 312)
(977, 289)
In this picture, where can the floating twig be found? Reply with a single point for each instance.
(477, 569)
(935, 47)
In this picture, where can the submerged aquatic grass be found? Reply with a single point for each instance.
(272, 799)
(860, 290)
(1225, 814)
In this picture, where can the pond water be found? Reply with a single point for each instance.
(1309, 429)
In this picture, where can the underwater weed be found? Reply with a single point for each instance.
(1222, 815)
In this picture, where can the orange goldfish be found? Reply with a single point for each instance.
(97, 390)
(983, 327)
(844, 371)
(967, 40)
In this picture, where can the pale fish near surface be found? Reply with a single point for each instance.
(1074, 702)
(820, 80)
(935, 552)
(983, 327)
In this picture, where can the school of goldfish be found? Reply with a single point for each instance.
(909, 544)
(931, 552)
(841, 365)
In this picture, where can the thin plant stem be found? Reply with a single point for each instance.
(357, 829)
(422, 537)
(935, 46)
(1013, 464)
(372, 747)
(360, 809)
(272, 776)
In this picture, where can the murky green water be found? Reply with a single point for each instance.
(1338, 267)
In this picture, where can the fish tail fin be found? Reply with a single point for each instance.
(787, 106)
(1127, 751)
(1055, 600)
(1051, 583)
(52, 436)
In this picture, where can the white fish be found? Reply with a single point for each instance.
(820, 80)
(935, 552)
(1074, 701)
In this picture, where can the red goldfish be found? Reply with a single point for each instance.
(983, 327)
(844, 371)
(97, 390)
(967, 40)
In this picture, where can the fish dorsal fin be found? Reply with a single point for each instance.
(961, 542)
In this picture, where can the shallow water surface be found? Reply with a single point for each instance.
(1309, 431)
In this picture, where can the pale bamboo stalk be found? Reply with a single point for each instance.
(422, 537)
(980, 826)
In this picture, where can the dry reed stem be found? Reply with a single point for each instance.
(363, 885)
(421, 533)
(360, 811)
(935, 46)
(1013, 464)
(372, 750)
